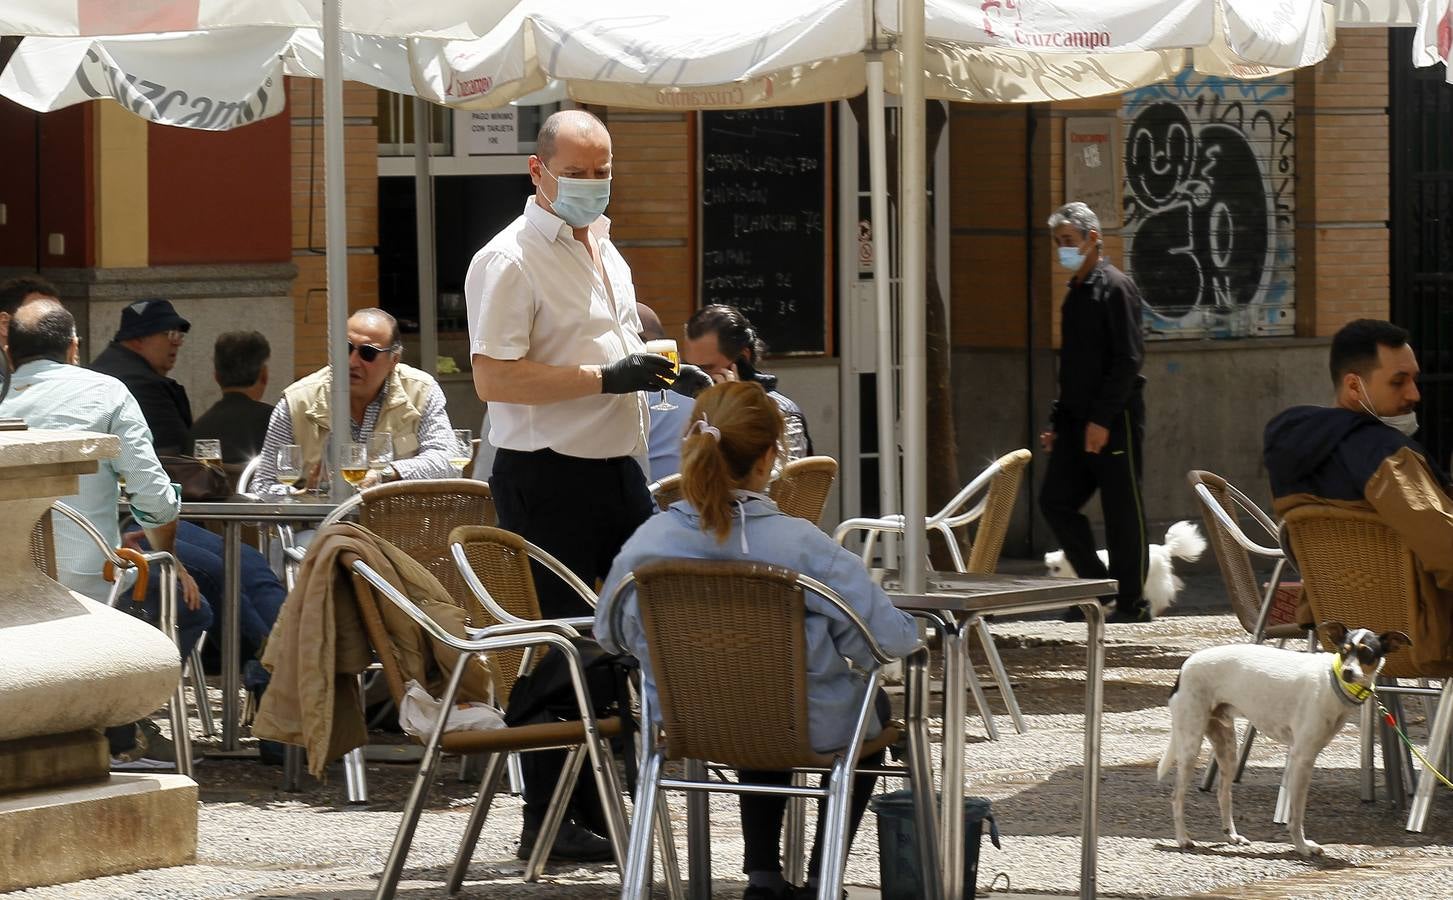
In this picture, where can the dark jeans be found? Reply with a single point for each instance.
(1073, 477)
(762, 814)
(580, 511)
(262, 593)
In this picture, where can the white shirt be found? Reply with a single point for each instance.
(49, 394)
(533, 293)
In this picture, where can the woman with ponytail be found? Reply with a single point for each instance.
(727, 458)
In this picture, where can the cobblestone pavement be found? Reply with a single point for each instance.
(258, 842)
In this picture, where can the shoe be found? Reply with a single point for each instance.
(1136, 613)
(140, 764)
(572, 843)
(153, 745)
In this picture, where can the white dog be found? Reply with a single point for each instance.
(1299, 699)
(1182, 541)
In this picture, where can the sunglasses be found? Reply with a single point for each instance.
(368, 352)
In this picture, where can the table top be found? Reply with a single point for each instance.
(986, 594)
(247, 508)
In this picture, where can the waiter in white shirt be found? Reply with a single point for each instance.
(557, 355)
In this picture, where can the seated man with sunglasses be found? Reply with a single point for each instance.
(384, 395)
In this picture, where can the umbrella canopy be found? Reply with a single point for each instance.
(660, 53)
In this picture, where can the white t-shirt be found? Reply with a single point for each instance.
(533, 293)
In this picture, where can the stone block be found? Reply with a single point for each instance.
(128, 823)
(54, 760)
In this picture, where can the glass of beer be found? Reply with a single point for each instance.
(463, 449)
(208, 451)
(355, 463)
(667, 348)
(289, 465)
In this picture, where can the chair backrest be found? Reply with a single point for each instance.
(1223, 508)
(501, 561)
(1355, 570)
(417, 517)
(244, 478)
(667, 491)
(998, 508)
(42, 546)
(729, 653)
(802, 487)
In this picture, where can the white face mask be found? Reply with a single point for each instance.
(1407, 423)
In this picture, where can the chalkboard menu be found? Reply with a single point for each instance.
(765, 221)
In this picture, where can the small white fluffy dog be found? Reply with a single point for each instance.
(1183, 540)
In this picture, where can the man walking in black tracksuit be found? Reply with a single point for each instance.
(1097, 425)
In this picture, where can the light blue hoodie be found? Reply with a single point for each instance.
(762, 533)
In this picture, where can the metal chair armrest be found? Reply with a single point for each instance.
(833, 597)
(90, 531)
(1224, 519)
(556, 626)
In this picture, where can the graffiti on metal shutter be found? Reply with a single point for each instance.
(1209, 202)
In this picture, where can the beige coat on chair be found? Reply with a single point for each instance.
(318, 646)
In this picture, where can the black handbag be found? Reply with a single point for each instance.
(199, 481)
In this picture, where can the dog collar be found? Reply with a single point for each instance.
(1351, 694)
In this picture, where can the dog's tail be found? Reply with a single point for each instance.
(1183, 540)
(1167, 758)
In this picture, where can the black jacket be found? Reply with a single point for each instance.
(1331, 452)
(1101, 349)
(788, 407)
(239, 422)
(162, 400)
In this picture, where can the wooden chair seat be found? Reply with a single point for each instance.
(539, 736)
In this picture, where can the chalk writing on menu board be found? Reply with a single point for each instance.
(763, 221)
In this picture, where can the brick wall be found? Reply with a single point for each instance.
(653, 208)
(360, 108)
(1342, 191)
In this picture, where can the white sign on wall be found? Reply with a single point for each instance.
(492, 131)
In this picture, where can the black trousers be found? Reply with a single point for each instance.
(1073, 477)
(580, 511)
(762, 814)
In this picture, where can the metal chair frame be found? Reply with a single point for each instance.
(636, 881)
(1219, 518)
(958, 513)
(480, 643)
(165, 564)
(666, 491)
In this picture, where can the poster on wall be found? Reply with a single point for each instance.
(1209, 205)
(1091, 167)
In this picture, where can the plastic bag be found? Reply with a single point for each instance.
(419, 712)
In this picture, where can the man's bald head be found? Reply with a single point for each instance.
(575, 125)
(42, 329)
(651, 329)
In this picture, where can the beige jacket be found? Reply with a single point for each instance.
(307, 400)
(319, 645)
(1404, 493)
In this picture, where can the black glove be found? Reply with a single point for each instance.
(637, 372)
(691, 381)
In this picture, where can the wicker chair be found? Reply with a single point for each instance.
(417, 517)
(987, 500)
(1223, 508)
(728, 653)
(666, 491)
(802, 487)
(42, 554)
(1356, 570)
(582, 737)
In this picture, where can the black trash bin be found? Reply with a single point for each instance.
(898, 843)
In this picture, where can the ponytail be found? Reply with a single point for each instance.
(732, 425)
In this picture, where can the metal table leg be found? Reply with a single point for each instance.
(698, 836)
(231, 619)
(1094, 707)
(951, 829)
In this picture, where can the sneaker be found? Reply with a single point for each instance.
(152, 744)
(1135, 613)
(140, 764)
(572, 843)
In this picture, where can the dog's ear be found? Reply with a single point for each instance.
(1393, 641)
(1334, 632)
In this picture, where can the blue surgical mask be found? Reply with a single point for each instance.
(579, 201)
(1071, 258)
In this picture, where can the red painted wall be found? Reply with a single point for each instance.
(221, 197)
(17, 185)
